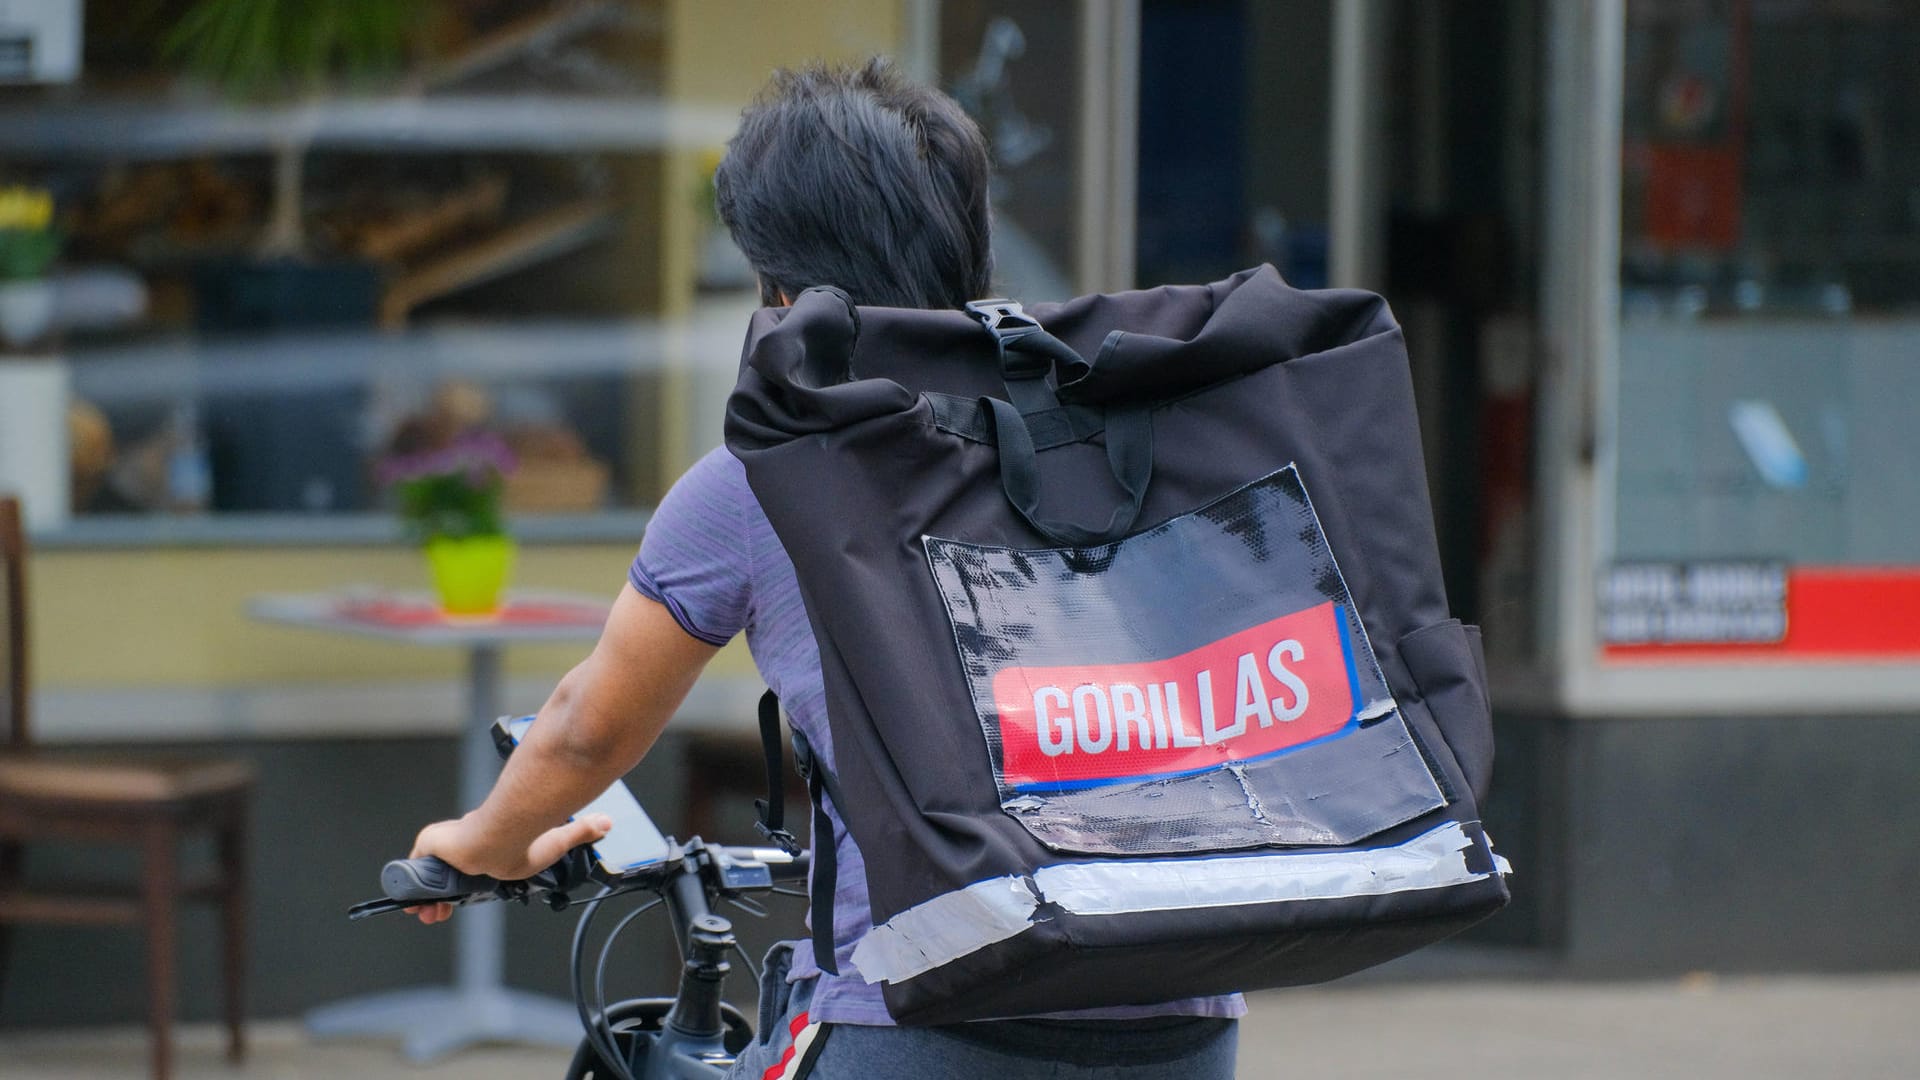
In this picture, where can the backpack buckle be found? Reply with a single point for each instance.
(1008, 322)
(781, 838)
(1002, 318)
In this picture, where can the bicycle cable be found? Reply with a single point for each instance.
(589, 1022)
(752, 968)
(600, 979)
(593, 1015)
(599, 1030)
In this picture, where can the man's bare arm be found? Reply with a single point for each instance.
(600, 721)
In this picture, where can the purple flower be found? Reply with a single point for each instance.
(480, 457)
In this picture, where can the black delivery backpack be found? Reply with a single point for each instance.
(1138, 666)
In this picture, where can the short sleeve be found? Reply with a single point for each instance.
(694, 557)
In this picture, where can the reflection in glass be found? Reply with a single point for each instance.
(1770, 283)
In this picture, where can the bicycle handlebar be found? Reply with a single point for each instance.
(428, 879)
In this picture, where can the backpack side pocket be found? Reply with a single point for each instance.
(1447, 667)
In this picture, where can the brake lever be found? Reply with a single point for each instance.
(508, 891)
(751, 907)
(378, 907)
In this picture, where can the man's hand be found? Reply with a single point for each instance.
(465, 846)
(599, 721)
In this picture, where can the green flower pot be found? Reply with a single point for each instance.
(470, 572)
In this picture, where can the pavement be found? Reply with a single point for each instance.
(1699, 1027)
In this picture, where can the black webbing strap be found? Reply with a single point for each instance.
(820, 787)
(1129, 454)
(1028, 354)
(825, 873)
(773, 808)
(964, 417)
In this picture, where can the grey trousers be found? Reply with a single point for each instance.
(788, 1048)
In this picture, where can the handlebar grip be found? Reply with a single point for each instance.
(428, 878)
(794, 869)
(780, 865)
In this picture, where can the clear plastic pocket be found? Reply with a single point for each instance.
(1204, 685)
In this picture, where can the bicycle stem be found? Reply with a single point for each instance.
(696, 1012)
(686, 898)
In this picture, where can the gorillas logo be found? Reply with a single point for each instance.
(1260, 691)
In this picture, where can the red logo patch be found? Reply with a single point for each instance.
(1260, 691)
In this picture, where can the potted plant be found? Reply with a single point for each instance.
(29, 243)
(448, 499)
(288, 51)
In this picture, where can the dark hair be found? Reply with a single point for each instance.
(860, 178)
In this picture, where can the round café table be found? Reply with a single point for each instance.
(478, 1007)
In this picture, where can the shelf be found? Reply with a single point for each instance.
(707, 340)
(529, 33)
(127, 130)
(517, 247)
(144, 531)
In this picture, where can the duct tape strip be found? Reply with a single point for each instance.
(949, 927)
(1428, 861)
(944, 929)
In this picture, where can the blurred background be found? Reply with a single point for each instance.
(1658, 262)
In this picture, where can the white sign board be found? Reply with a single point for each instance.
(39, 41)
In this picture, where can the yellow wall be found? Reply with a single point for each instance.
(720, 51)
(177, 617)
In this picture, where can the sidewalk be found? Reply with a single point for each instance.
(1701, 1028)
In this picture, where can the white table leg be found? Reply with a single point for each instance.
(436, 1021)
(480, 931)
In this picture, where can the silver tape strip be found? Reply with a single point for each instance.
(1428, 861)
(944, 929)
(956, 924)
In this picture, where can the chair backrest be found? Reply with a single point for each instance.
(13, 626)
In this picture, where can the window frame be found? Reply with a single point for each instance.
(1579, 408)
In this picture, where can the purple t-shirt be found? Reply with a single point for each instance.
(711, 557)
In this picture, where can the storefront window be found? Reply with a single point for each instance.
(1015, 68)
(287, 256)
(1764, 488)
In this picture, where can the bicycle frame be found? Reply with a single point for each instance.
(695, 1034)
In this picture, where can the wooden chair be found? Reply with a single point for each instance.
(148, 802)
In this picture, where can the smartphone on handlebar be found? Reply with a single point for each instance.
(634, 841)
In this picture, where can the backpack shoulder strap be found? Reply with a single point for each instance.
(773, 808)
(820, 787)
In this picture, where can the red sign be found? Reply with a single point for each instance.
(1833, 613)
(1693, 197)
(1257, 692)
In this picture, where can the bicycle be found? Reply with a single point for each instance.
(694, 1035)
